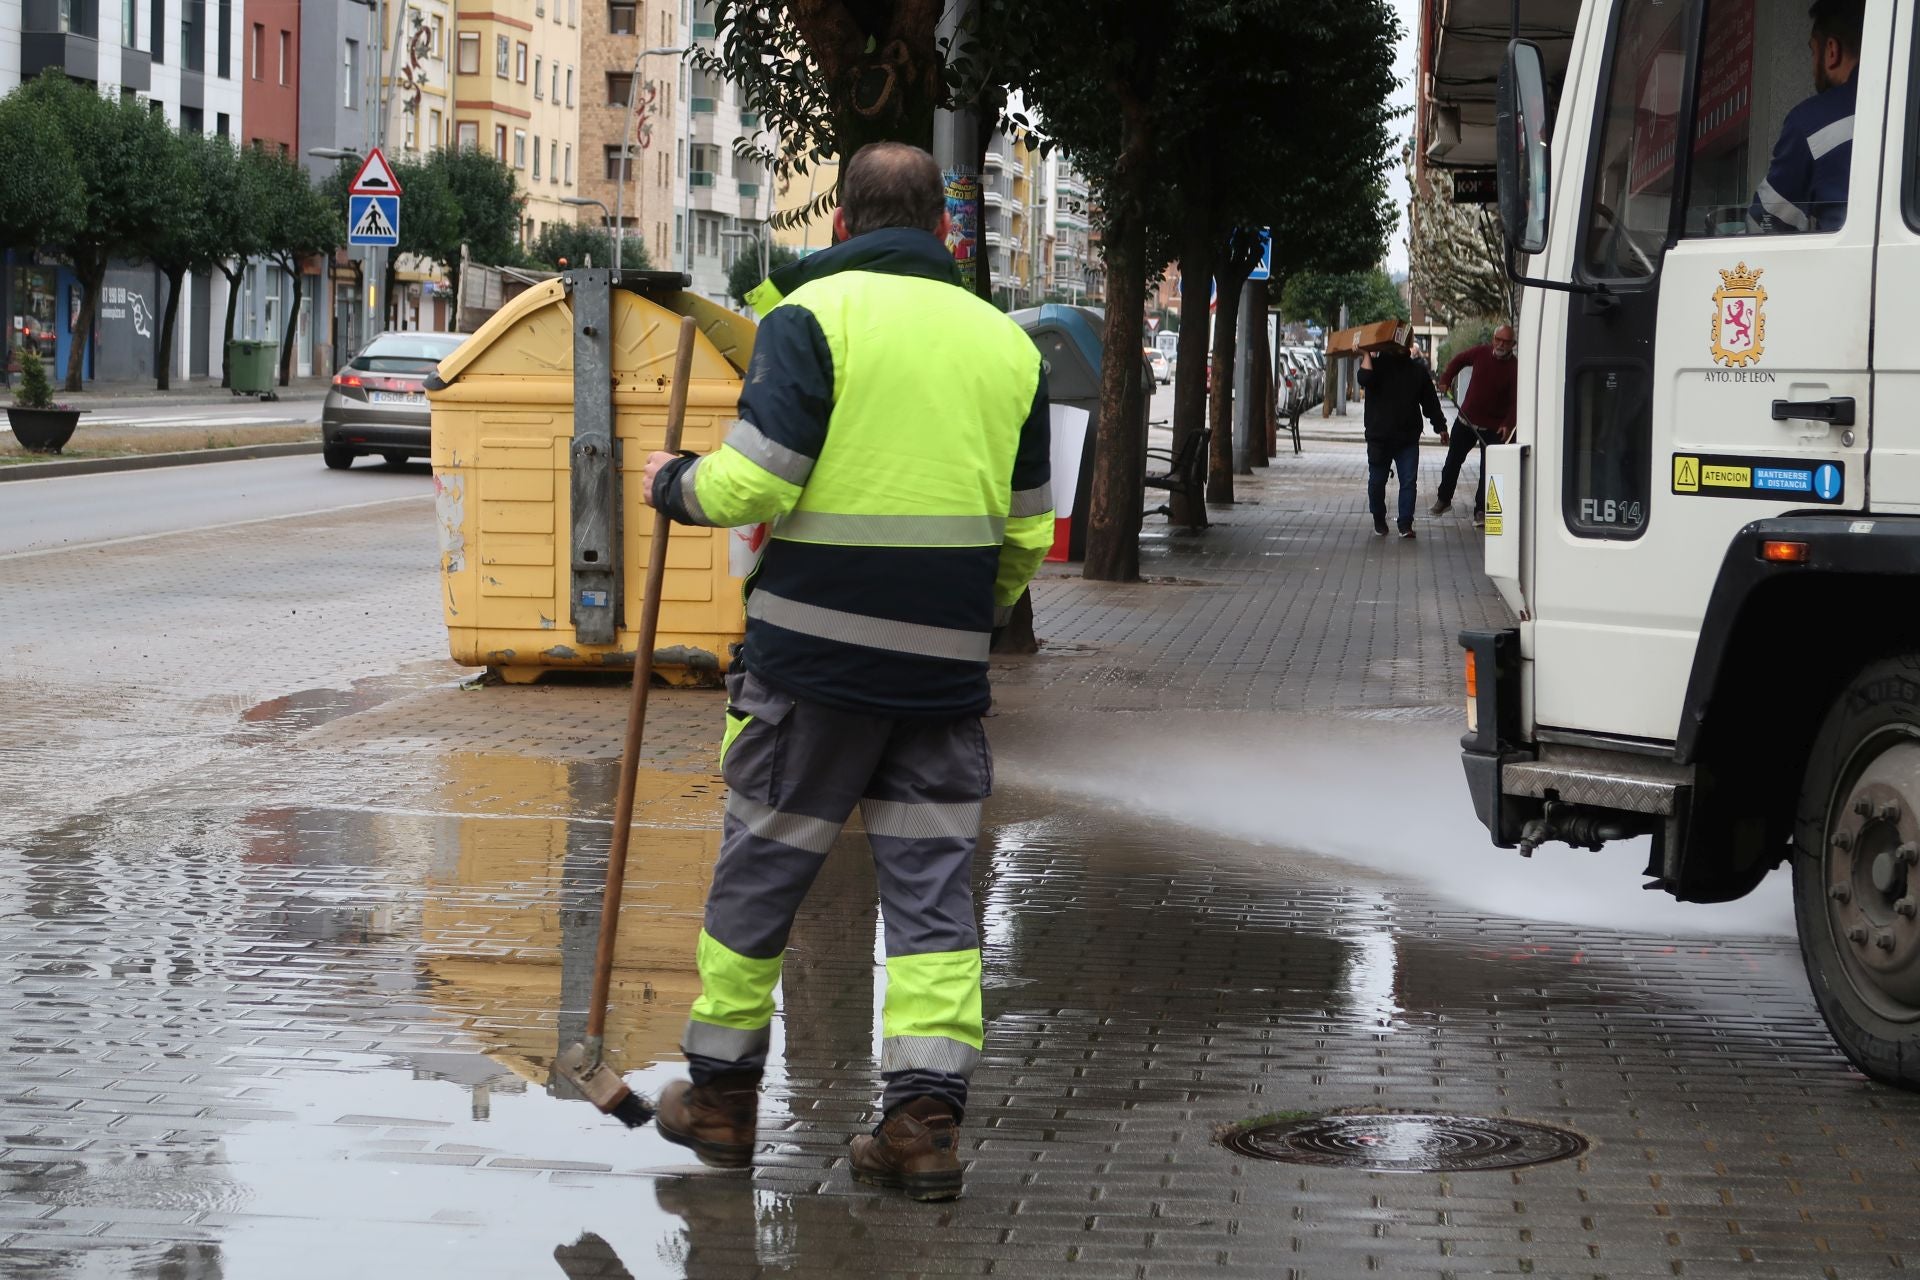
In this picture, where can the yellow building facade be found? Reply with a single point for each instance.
(517, 89)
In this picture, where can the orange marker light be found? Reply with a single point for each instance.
(1473, 693)
(1784, 552)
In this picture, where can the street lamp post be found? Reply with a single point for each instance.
(583, 201)
(626, 147)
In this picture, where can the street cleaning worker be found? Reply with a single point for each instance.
(893, 429)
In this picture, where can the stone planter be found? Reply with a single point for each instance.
(43, 430)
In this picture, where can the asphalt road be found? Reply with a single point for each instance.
(90, 510)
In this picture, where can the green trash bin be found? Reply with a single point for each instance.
(250, 367)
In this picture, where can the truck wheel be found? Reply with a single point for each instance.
(1856, 884)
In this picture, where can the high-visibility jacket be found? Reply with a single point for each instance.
(893, 430)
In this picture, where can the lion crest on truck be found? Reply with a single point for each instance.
(1739, 320)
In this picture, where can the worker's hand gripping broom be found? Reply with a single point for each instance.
(583, 1065)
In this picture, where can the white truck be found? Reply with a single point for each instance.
(1708, 526)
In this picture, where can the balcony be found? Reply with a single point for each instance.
(749, 191)
(749, 119)
(701, 178)
(701, 106)
(702, 30)
(994, 161)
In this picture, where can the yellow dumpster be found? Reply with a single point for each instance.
(542, 422)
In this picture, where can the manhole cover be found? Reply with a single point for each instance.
(1407, 1143)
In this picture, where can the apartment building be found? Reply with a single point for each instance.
(1071, 266)
(517, 93)
(184, 57)
(1010, 220)
(729, 199)
(619, 69)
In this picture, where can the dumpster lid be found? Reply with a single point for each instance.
(724, 353)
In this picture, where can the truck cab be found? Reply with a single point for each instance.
(1708, 525)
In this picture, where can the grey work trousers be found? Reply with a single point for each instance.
(795, 770)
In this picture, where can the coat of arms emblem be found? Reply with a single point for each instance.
(1739, 324)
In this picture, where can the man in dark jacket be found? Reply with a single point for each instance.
(1399, 389)
(1486, 414)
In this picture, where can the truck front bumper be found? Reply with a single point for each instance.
(1494, 735)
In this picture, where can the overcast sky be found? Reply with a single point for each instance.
(1409, 11)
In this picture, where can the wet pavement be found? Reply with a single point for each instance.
(294, 922)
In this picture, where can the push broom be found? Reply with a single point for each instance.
(584, 1065)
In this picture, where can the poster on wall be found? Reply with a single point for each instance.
(963, 238)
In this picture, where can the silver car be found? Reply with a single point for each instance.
(378, 403)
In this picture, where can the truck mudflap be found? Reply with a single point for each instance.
(1493, 737)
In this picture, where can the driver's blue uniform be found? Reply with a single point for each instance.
(1806, 185)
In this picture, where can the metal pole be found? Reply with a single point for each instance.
(1243, 385)
(1340, 392)
(626, 168)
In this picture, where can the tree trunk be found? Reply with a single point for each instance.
(1190, 370)
(1259, 432)
(233, 307)
(293, 315)
(164, 365)
(93, 275)
(1226, 331)
(1113, 527)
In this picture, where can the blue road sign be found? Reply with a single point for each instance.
(1265, 270)
(373, 220)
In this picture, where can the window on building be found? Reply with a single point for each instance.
(192, 120)
(223, 41)
(434, 135)
(553, 162)
(520, 62)
(679, 158)
(573, 11)
(660, 169)
(129, 37)
(286, 56)
(500, 143)
(519, 148)
(466, 135)
(536, 157)
(569, 155)
(469, 63)
(538, 81)
(616, 171)
(502, 57)
(539, 8)
(223, 126)
(569, 86)
(157, 29)
(439, 29)
(256, 49)
(411, 130)
(622, 18)
(555, 95)
(193, 35)
(350, 75)
(619, 88)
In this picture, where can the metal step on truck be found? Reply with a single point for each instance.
(1709, 523)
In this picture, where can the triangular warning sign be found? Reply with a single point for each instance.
(375, 177)
(1493, 496)
(373, 223)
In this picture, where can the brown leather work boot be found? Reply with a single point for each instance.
(917, 1149)
(717, 1121)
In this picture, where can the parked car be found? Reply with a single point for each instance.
(378, 403)
(1294, 373)
(1162, 367)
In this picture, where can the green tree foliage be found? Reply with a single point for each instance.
(119, 150)
(238, 175)
(575, 242)
(298, 222)
(42, 195)
(1369, 296)
(490, 206)
(191, 234)
(1456, 252)
(745, 275)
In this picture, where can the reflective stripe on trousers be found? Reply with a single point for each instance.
(795, 772)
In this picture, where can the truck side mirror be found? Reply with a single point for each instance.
(1520, 130)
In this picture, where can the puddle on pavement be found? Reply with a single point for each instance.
(323, 1033)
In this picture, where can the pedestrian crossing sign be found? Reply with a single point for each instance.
(373, 220)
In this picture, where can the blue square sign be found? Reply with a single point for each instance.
(373, 220)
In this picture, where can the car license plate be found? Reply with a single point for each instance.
(397, 397)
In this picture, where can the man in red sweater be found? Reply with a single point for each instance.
(1485, 418)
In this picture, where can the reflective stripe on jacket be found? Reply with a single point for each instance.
(893, 429)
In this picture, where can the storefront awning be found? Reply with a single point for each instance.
(1469, 47)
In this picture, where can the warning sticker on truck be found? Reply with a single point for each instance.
(1713, 475)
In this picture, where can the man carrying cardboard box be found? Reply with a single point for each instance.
(1399, 389)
